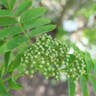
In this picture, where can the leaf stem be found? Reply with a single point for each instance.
(29, 41)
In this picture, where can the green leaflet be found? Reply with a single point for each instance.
(1, 42)
(71, 87)
(8, 3)
(4, 13)
(12, 43)
(7, 59)
(23, 7)
(5, 21)
(12, 3)
(32, 14)
(13, 85)
(15, 64)
(2, 71)
(15, 42)
(35, 23)
(41, 29)
(3, 48)
(10, 31)
(89, 62)
(4, 67)
(83, 84)
(3, 91)
(4, 2)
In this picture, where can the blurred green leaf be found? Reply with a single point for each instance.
(15, 42)
(4, 13)
(3, 48)
(42, 29)
(93, 82)
(13, 85)
(2, 42)
(89, 62)
(5, 21)
(90, 33)
(71, 87)
(5, 3)
(12, 43)
(23, 7)
(3, 91)
(9, 4)
(12, 3)
(32, 14)
(10, 31)
(35, 23)
(2, 70)
(15, 64)
(83, 85)
(88, 10)
(7, 59)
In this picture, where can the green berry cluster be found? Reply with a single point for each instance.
(50, 57)
(75, 66)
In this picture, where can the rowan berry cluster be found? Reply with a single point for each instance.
(50, 57)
